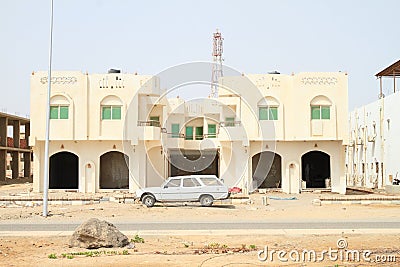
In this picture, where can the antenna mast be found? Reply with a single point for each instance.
(217, 62)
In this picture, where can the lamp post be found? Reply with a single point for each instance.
(46, 146)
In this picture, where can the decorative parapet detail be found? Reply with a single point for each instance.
(319, 80)
(59, 80)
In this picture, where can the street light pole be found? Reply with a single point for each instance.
(46, 146)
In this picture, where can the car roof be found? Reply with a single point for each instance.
(194, 176)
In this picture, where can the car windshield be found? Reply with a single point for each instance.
(210, 181)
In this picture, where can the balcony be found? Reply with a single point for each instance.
(149, 130)
(231, 131)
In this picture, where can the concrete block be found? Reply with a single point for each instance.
(392, 189)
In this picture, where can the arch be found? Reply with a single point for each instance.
(64, 171)
(60, 99)
(114, 170)
(321, 100)
(268, 101)
(111, 100)
(315, 168)
(267, 170)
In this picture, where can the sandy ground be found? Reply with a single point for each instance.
(194, 250)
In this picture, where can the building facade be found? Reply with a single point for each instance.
(119, 131)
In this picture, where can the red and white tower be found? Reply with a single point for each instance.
(217, 62)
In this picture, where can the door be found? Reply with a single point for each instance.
(191, 189)
(171, 191)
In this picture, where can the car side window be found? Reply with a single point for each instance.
(210, 181)
(190, 182)
(173, 183)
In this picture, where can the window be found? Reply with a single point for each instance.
(173, 183)
(190, 182)
(59, 112)
(175, 130)
(268, 113)
(320, 112)
(210, 181)
(212, 131)
(199, 133)
(111, 113)
(229, 121)
(189, 133)
(155, 121)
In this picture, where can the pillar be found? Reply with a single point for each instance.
(27, 133)
(3, 131)
(16, 133)
(3, 164)
(27, 164)
(15, 164)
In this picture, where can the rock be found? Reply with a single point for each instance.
(95, 234)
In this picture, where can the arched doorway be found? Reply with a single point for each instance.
(316, 167)
(267, 170)
(114, 171)
(64, 170)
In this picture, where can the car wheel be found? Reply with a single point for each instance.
(206, 200)
(148, 200)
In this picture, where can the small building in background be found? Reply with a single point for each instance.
(372, 155)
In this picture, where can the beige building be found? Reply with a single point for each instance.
(120, 131)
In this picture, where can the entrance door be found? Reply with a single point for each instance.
(316, 167)
(267, 170)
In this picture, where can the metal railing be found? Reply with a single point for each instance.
(149, 123)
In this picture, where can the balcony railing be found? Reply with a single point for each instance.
(173, 135)
(230, 123)
(149, 123)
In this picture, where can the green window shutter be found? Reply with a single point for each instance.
(189, 133)
(106, 113)
(263, 113)
(199, 133)
(212, 130)
(230, 121)
(154, 121)
(116, 113)
(54, 112)
(316, 113)
(325, 113)
(175, 130)
(273, 113)
(64, 112)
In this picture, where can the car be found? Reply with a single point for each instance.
(191, 188)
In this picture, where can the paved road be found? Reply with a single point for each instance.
(210, 226)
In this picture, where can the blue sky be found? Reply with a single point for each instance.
(359, 37)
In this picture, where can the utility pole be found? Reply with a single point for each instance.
(46, 146)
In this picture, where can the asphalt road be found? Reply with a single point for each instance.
(209, 226)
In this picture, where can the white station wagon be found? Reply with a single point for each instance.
(193, 188)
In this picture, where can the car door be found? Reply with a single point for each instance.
(171, 191)
(191, 189)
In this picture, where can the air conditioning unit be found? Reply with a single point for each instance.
(371, 138)
(351, 143)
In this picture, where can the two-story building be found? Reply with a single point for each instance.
(120, 131)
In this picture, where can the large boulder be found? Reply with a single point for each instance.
(96, 234)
